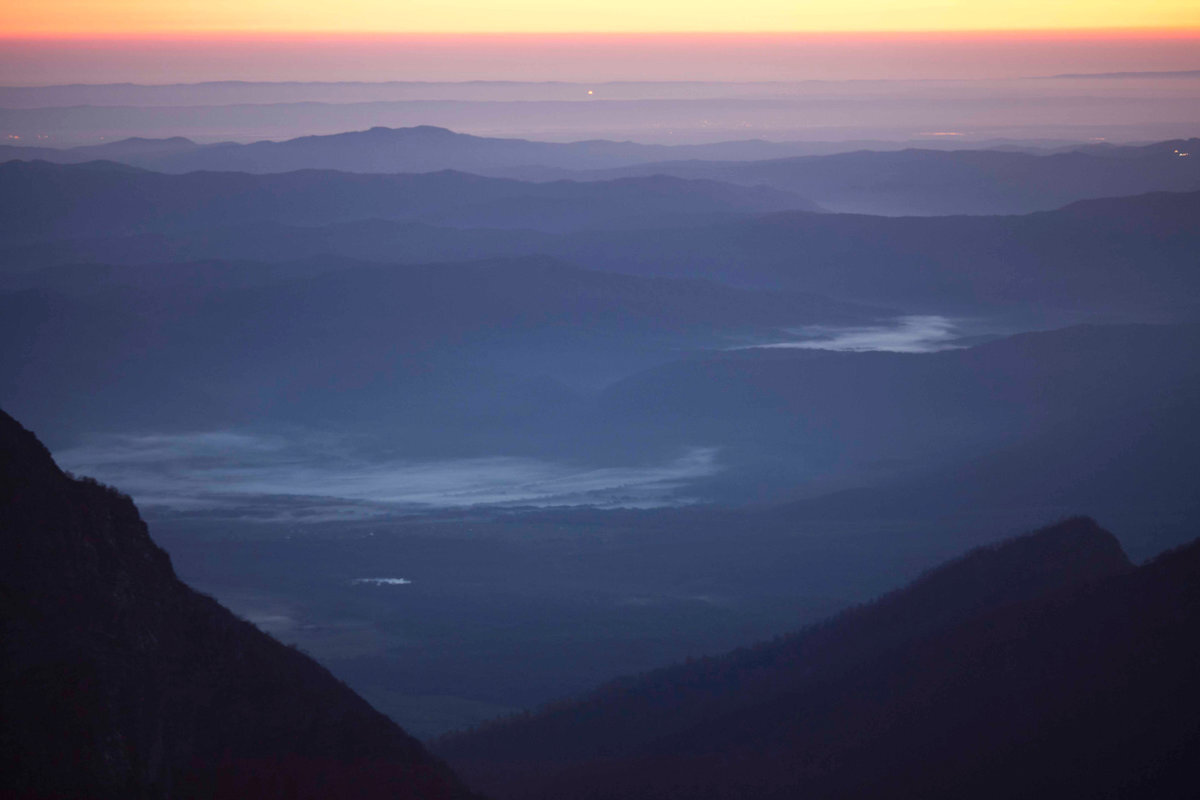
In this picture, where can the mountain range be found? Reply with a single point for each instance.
(439, 355)
(41, 201)
(900, 182)
(537, 358)
(424, 148)
(1123, 257)
(1042, 665)
(937, 182)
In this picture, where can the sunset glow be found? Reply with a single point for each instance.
(149, 17)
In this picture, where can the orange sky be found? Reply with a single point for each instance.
(153, 17)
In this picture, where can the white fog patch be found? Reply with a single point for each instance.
(382, 581)
(911, 334)
(317, 480)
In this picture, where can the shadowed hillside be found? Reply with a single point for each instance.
(1045, 666)
(118, 681)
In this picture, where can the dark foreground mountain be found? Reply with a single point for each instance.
(118, 681)
(1044, 667)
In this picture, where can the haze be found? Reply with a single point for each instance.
(630, 400)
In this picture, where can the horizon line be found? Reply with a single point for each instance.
(235, 34)
(245, 81)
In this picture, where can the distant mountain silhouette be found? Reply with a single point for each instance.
(1124, 254)
(937, 182)
(1046, 666)
(41, 201)
(424, 148)
(878, 181)
(1130, 255)
(136, 151)
(118, 681)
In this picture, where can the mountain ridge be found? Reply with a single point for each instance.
(855, 726)
(150, 688)
(43, 201)
(904, 181)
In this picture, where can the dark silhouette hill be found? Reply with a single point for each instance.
(1045, 666)
(118, 681)
(41, 201)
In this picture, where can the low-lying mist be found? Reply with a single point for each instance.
(321, 478)
(910, 334)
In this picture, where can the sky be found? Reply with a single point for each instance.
(141, 17)
(155, 41)
(591, 57)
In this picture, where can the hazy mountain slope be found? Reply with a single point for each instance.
(377, 240)
(1121, 254)
(136, 151)
(1134, 255)
(931, 182)
(41, 201)
(823, 711)
(1135, 460)
(885, 181)
(794, 416)
(117, 680)
(448, 354)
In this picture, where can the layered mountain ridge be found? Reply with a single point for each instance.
(899, 181)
